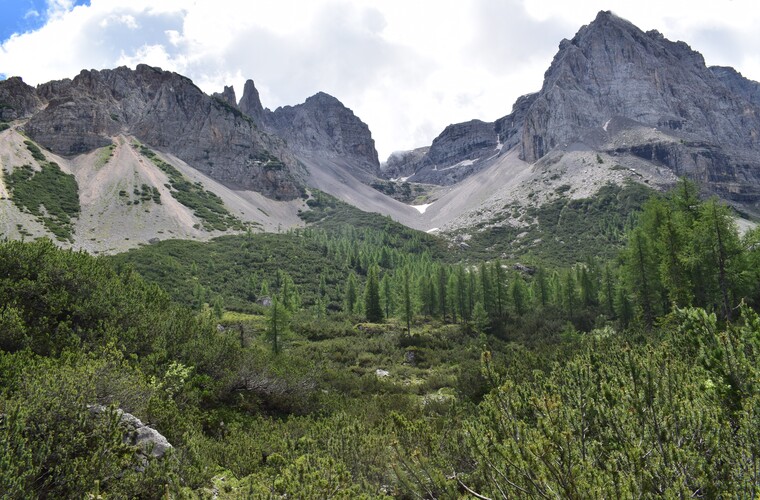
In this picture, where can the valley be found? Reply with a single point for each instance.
(558, 303)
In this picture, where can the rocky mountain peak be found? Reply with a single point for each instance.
(324, 126)
(250, 103)
(612, 68)
(17, 99)
(168, 112)
(228, 96)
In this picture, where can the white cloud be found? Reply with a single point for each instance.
(408, 69)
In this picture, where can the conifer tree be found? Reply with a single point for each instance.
(407, 304)
(352, 294)
(519, 296)
(641, 274)
(541, 287)
(443, 279)
(277, 324)
(372, 308)
(386, 292)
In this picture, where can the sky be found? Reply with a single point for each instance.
(407, 68)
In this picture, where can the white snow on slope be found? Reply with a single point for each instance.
(421, 208)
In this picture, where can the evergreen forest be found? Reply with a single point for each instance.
(356, 358)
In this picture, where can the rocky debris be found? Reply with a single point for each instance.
(523, 269)
(169, 113)
(264, 301)
(380, 373)
(410, 357)
(322, 127)
(149, 442)
(17, 100)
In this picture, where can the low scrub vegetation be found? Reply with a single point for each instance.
(207, 206)
(382, 370)
(48, 193)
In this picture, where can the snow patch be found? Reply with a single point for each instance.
(432, 230)
(605, 125)
(499, 144)
(421, 208)
(463, 163)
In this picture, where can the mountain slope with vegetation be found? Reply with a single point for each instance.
(633, 376)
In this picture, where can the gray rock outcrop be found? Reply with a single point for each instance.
(17, 100)
(736, 83)
(227, 96)
(169, 113)
(322, 127)
(459, 151)
(148, 441)
(403, 163)
(250, 103)
(634, 95)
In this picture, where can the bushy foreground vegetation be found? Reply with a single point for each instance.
(358, 363)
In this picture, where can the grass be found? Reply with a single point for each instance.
(49, 194)
(104, 156)
(207, 206)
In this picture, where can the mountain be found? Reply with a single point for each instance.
(617, 90)
(616, 105)
(123, 133)
(167, 111)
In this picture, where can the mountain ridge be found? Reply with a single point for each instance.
(616, 104)
(707, 120)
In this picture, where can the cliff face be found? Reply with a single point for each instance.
(17, 100)
(322, 127)
(168, 112)
(611, 68)
(736, 83)
(634, 95)
(237, 143)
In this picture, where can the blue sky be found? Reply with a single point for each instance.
(25, 16)
(22, 16)
(407, 68)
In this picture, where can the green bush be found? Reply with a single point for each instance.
(49, 194)
(205, 205)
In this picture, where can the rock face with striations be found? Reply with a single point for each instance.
(323, 127)
(250, 103)
(168, 112)
(455, 153)
(403, 164)
(17, 100)
(739, 85)
(611, 68)
(706, 123)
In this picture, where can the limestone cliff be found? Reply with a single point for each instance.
(168, 112)
(323, 128)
